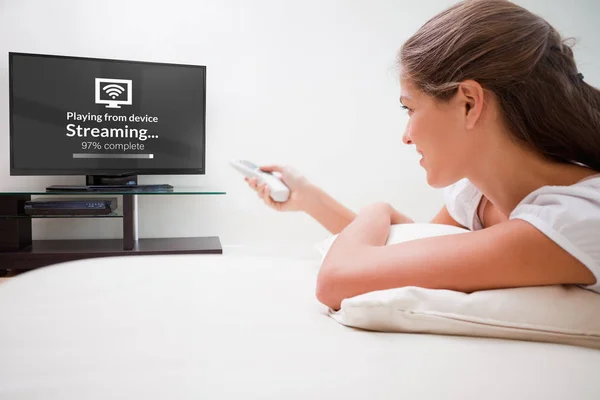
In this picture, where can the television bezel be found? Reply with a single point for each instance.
(104, 171)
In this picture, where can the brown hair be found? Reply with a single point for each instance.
(524, 62)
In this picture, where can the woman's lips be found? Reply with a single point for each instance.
(422, 156)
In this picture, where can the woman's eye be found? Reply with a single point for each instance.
(406, 109)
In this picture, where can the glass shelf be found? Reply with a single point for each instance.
(177, 190)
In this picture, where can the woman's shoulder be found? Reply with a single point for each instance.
(462, 199)
(569, 216)
(585, 193)
(572, 210)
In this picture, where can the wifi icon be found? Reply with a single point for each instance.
(113, 90)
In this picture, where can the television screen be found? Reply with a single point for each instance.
(88, 116)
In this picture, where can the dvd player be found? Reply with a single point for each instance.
(70, 206)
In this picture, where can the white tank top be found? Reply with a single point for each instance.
(568, 215)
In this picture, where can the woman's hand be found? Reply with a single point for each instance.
(377, 208)
(372, 225)
(386, 209)
(370, 228)
(300, 188)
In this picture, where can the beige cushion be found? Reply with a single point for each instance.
(559, 314)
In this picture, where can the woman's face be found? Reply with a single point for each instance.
(437, 129)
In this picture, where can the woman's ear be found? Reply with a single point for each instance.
(471, 98)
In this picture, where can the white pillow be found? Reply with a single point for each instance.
(566, 314)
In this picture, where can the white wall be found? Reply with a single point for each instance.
(310, 83)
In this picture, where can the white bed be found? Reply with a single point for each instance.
(224, 326)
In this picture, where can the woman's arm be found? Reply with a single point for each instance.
(333, 215)
(326, 210)
(510, 254)
(311, 199)
(443, 217)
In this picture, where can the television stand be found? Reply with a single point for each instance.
(19, 252)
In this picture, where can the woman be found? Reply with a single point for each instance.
(508, 126)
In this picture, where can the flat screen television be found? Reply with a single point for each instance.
(110, 120)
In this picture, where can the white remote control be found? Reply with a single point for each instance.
(279, 191)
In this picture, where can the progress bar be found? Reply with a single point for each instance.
(86, 155)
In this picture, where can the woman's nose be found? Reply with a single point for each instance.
(406, 137)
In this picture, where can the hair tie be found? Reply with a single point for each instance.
(580, 76)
